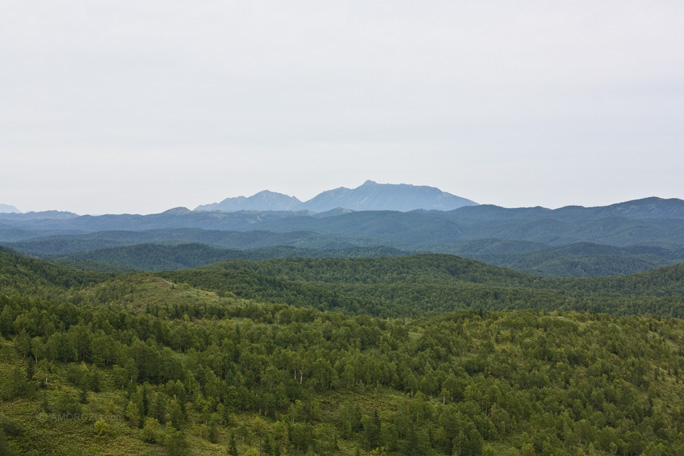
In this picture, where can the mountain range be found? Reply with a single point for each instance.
(370, 196)
(617, 239)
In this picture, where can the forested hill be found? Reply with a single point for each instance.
(32, 277)
(159, 250)
(581, 259)
(423, 268)
(159, 364)
(51, 246)
(387, 286)
(432, 284)
(160, 257)
(450, 269)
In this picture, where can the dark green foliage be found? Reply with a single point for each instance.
(232, 445)
(20, 275)
(420, 284)
(156, 257)
(185, 368)
(14, 384)
(176, 415)
(176, 443)
(371, 428)
(111, 245)
(67, 403)
(464, 378)
(10, 427)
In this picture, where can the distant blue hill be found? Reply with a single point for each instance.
(4, 208)
(620, 238)
(370, 196)
(262, 201)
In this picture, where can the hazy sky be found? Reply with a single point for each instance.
(143, 105)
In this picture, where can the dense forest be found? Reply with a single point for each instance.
(416, 355)
(432, 284)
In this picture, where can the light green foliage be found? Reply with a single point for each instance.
(102, 428)
(132, 414)
(151, 431)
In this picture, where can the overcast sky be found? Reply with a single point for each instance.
(140, 106)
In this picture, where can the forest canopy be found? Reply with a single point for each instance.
(341, 356)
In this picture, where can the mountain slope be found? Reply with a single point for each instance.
(71, 244)
(575, 260)
(650, 222)
(144, 366)
(421, 285)
(587, 260)
(370, 196)
(4, 208)
(24, 276)
(646, 208)
(262, 201)
(156, 257)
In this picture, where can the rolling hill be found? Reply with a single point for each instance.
(287, 355)
(164, 257)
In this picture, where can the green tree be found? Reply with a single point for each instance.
(177, 417)
(151, 431)
(14, 384)
(175, 443)
(372, 427)
(132, 414)
(232, 445)
(102, 428)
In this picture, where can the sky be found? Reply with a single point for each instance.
(140, 106)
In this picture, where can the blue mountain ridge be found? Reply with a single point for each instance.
(370, 196)
(6, 208)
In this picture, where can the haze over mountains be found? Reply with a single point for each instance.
(5, 208)
(371, 220)
(370, 196)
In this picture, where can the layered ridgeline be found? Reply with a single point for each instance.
(573, 241)
(162, 257)
(388, 286)
(430, 284)
(370, 196)
(180, 364)
(575, 260)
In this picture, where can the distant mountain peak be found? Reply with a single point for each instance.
(6, 208)
(264, 200)
(269, 193)
(177, 211)
(372, 196)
